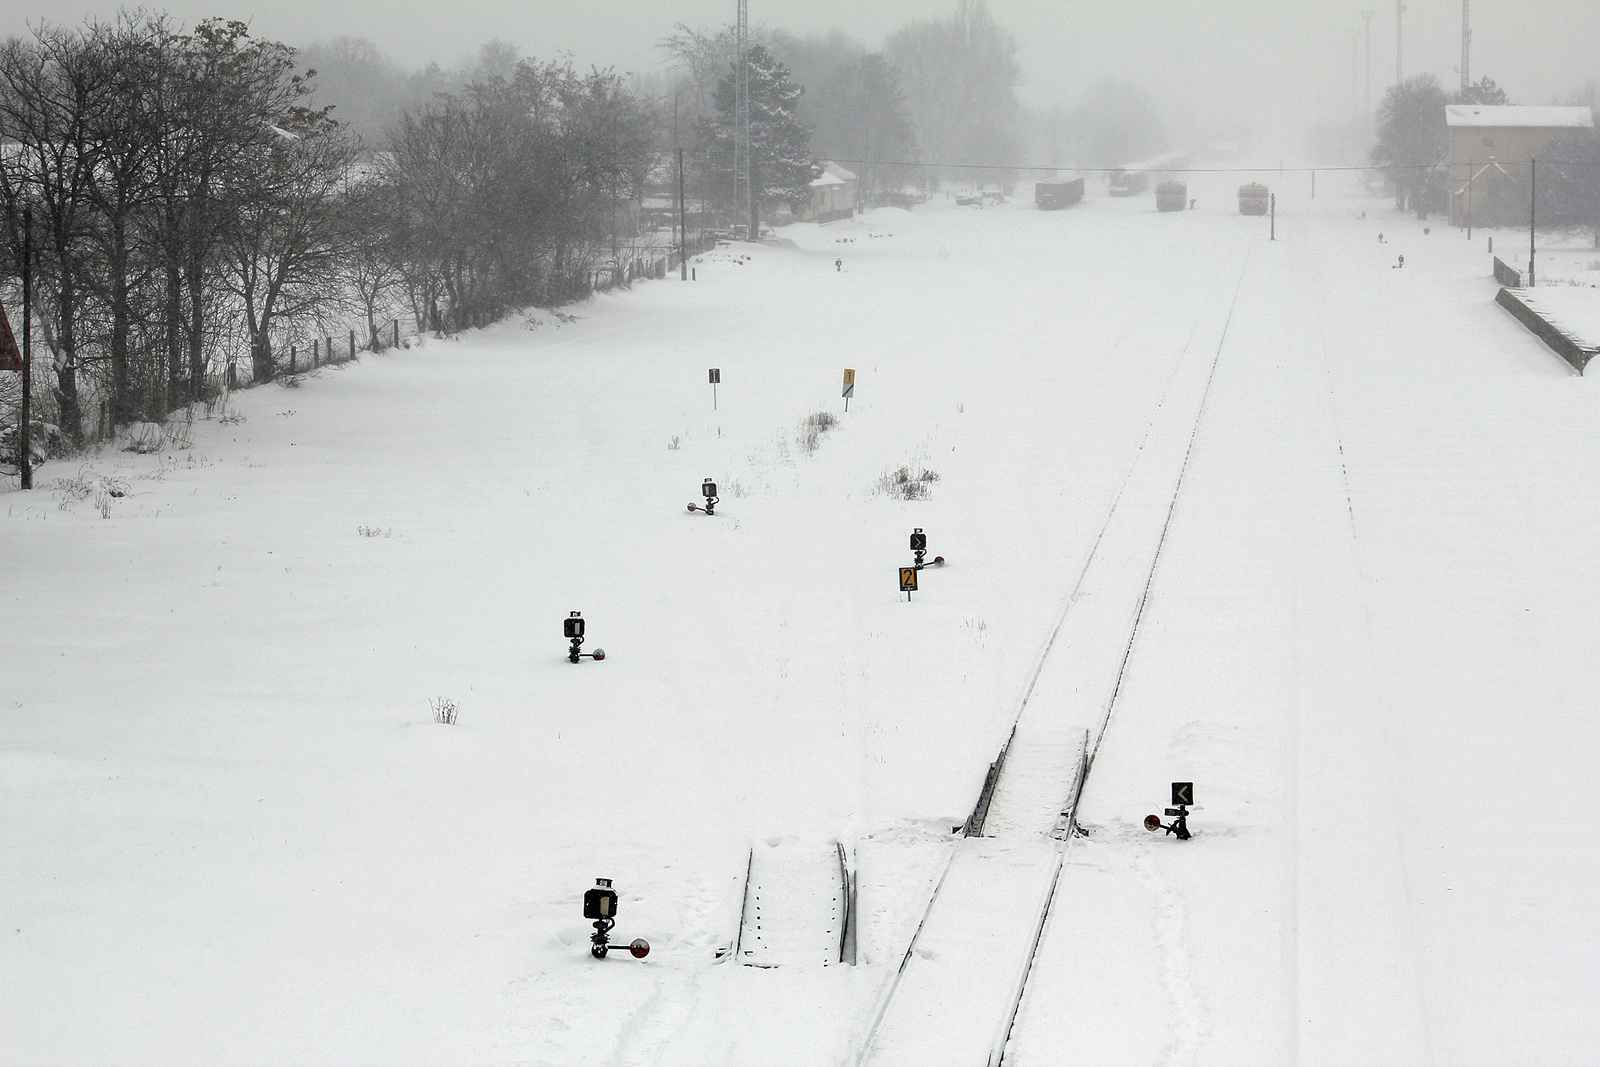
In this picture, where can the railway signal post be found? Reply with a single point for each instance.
(572, 627)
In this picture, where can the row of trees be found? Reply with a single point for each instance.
(201, 196)
(941, 90)
(167, 173)
(510, 193)
(190, 205)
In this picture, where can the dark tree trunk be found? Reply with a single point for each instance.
(122, 405)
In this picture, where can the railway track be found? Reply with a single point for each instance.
(965, 972)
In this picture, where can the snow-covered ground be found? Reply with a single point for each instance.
(234, 834)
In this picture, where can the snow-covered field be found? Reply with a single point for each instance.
(233, 832)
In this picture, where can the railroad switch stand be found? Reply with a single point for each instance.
(708, 489)
(600, 904)
(572, 629)
(919, 548)
(1182, 801)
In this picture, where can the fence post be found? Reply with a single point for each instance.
(397, 332)
(315, 344)
(291, 359)
(352, 344)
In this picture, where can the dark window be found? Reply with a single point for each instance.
(1488, 142)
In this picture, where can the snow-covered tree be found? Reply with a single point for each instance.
(781, 167)
(1484, 91)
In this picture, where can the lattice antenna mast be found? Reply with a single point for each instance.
(743, 200)
(1399, 16)
(1466, 46)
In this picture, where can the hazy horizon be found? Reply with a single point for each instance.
(1279, 68)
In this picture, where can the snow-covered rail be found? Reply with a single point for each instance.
(1086, 760)
(963, 977)
(797, 905)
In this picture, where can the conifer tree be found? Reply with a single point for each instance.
(781, 168)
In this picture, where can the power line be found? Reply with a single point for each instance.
(1184, 170)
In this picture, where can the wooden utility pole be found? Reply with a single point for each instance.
(26, 439)
(1533, 212)
(683, 227)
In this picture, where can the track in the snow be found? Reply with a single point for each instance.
(1027, 783)
(798, 906)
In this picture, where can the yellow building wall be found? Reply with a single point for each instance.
(1499, 197)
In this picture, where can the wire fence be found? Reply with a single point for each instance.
(335, 348)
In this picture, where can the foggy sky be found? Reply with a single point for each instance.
(1287, 62)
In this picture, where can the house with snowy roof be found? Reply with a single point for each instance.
(833, 195)
(1490, 147)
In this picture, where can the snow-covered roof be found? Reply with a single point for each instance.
(833, 174)
(1511, 115)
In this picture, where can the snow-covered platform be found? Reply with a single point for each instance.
(1566, 317)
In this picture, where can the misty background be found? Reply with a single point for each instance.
(1278, 78)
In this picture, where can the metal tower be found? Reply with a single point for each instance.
(1466, 46)
(1399, 15)
(1366, 70)
(743, 201)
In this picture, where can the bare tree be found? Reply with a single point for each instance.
(51, 86)
(287, 237)
(180, 190)
(960, 76)
(503, 195)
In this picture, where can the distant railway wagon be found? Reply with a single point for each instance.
(1129, 182)
(1052, 195)
(1253, 199)
(1172, 196)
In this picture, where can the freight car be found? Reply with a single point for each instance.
(1172, 196)
(1052, 195)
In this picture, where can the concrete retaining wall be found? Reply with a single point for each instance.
(1507, 275)
(1562, 345)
